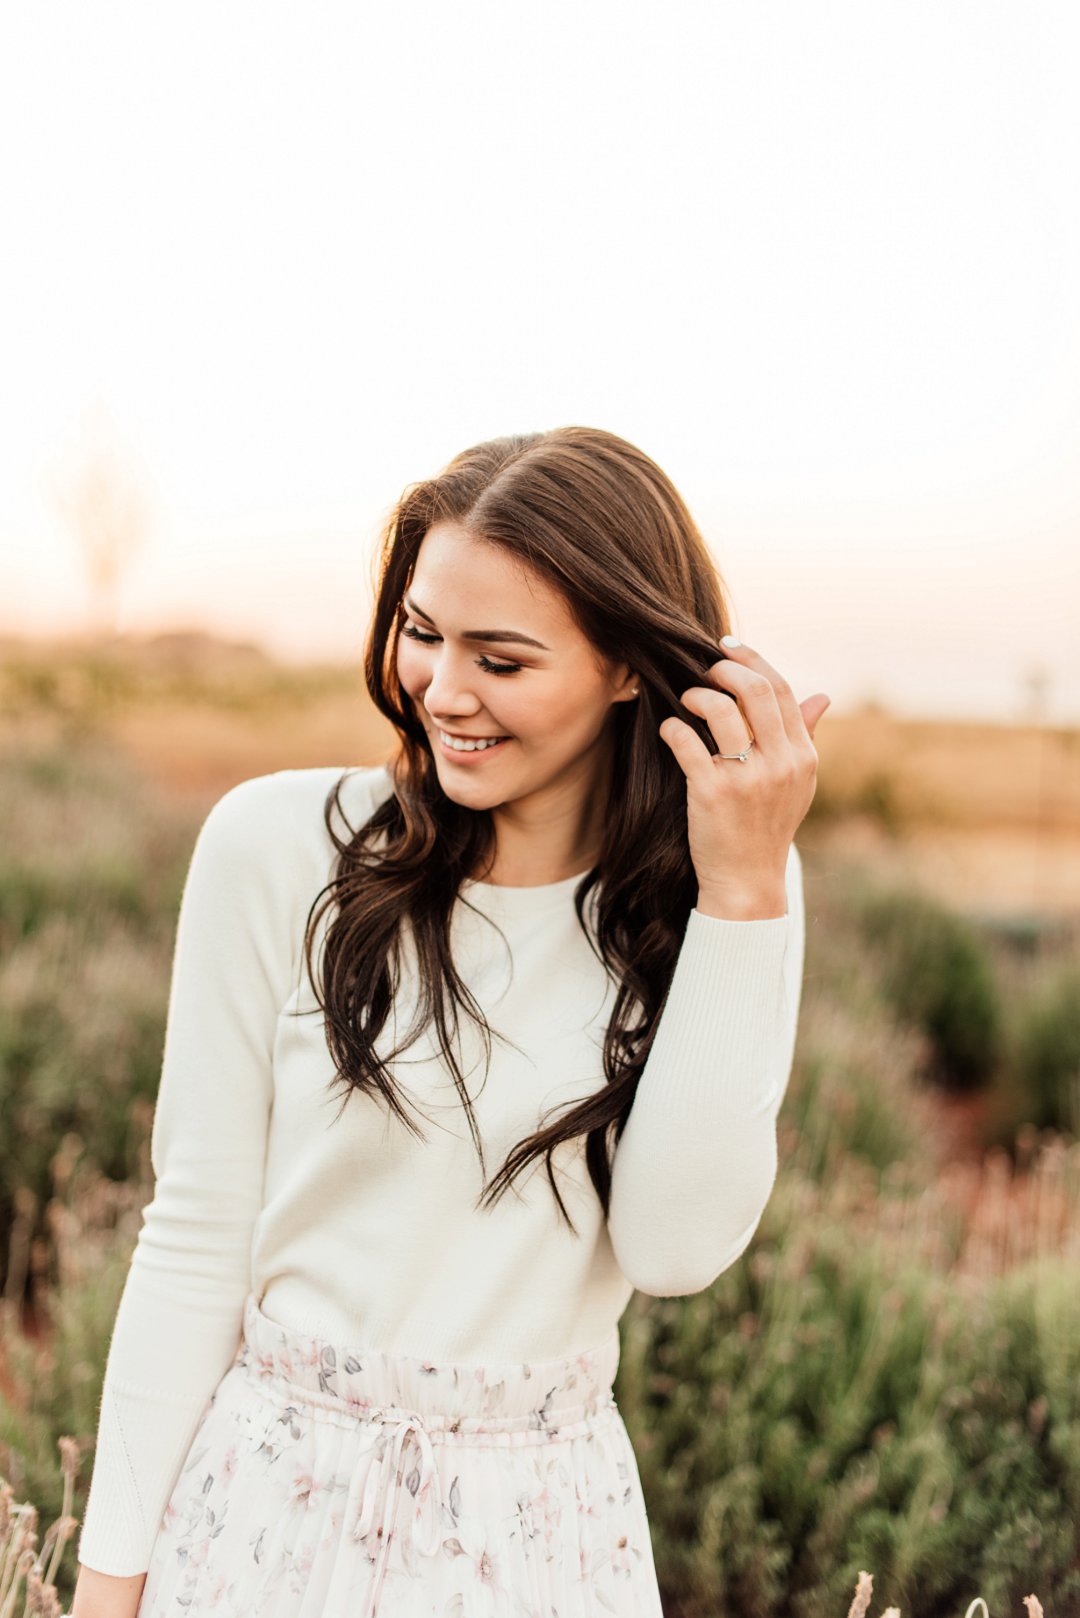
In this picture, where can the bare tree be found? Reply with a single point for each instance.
(106, 511)
(1036, 681)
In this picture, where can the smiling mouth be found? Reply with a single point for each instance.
(470, 744)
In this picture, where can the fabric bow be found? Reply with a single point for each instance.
(379, 1502)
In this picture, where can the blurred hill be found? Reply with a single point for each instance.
(987, 814)
(180, 652)
(194, 712)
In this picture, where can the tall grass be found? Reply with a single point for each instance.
(52, 1357)
(27, 1568)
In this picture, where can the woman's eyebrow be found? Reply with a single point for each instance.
(481, 634)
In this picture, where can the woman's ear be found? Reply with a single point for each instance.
(626, 685)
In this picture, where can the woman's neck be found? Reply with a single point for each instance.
(553, 834)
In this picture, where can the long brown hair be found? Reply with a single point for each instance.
(597, 519)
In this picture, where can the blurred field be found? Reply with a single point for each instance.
(988, 816)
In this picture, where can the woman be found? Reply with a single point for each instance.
(354, 1371)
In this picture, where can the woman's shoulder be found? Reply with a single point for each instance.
(263, 815)
(285, 791)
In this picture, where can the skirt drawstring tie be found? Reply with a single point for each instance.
(385, 1475)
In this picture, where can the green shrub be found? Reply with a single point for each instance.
(936, 972)
(854, 1093)
(840, 1400)
(1047, 1056)
(81, 1034)
(83, 836)
(91, 869)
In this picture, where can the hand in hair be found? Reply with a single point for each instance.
(742, 816)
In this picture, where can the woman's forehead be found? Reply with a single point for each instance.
(457, 576)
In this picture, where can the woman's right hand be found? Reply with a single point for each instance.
(106, 1595)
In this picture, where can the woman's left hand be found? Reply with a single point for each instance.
(742, 816)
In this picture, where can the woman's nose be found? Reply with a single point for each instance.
(449, 690)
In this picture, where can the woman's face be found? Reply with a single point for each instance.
(502, 656)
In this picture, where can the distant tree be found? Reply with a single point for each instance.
(1036, 682)
(107, 512)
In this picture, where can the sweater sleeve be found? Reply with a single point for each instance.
(179, 1321)
(697, 1159)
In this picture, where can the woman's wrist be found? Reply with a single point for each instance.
(106, 1595)
(758, 903)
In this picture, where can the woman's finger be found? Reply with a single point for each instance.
(691, 754)
(758, 700)
(812, 709)
(746, 657)
(721, 713)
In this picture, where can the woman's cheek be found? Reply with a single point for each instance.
(410, 671)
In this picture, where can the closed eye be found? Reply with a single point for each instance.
(485, 662)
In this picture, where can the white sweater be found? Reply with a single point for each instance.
(357, 1231)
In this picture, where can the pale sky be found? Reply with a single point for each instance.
(820, 260)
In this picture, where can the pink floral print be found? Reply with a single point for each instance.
(326, 1480)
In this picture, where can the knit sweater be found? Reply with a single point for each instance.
(354, 1229)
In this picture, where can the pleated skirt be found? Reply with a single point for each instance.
(328, 1481)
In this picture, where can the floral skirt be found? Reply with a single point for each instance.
(326, 1481)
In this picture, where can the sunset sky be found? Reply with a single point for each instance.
(819, 259)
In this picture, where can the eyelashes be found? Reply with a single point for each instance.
(485, 662)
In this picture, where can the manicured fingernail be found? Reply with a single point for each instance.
(729, 640)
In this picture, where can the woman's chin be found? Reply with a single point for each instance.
(465, 786)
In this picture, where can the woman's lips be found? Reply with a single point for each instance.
(471, 755)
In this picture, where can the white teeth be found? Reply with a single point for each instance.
(460, 746)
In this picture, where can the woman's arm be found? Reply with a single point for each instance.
(105, 1595)
(179, 1320)
(697, 1159)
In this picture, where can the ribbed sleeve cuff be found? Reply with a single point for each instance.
(143, 1438)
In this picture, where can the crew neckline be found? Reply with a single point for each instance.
(532, 887)
(542, 899)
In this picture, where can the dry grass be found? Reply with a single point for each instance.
(975, 1219)
(864, 1594)
(26, 1568)
(956, 773)
(987, 816)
